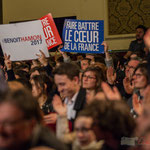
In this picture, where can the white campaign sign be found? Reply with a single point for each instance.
(22, 41)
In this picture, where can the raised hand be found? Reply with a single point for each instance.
(105, 46)
(58, 106)
(42, 58)
(106, 50)
(59, 49)
(7, 61)
(35, 63)
(127, 85)
(111, 75)
(111, 94)
(65, 56)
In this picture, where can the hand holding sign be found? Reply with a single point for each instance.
(59, 49)
(105, 46)
(42, 58)
(7, 61)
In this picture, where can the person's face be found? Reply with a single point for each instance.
(139, 33)
(84, 133)
(139, 80)
(89, 80)
(84, 64)
(132, 64)
(14, 129)
(36, 90)
(147, 38)
(66, 87)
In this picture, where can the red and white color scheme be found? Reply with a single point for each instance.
(50, 31)
(22, 41)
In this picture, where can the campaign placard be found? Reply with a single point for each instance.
(22, 41)
(83, 36)
(52, 36)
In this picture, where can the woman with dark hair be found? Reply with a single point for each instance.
(42, 89)
(92, 78)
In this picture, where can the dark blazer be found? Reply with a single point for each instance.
(80, 100)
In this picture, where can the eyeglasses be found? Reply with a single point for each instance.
(83, 129)
(89, 77)
(130, 67)
(138, 75)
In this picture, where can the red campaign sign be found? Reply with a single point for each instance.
(50, 31)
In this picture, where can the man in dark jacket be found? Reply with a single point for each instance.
(66, 77)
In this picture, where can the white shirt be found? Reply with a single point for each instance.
(71, 113)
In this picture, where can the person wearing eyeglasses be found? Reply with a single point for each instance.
(140, 77)
(140, 82)
(126, 88)
(92, 78)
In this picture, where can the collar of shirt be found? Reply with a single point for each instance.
(72, 101)
(71, 113)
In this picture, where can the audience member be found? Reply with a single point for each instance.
(21, 123)
(138, 44)
(66, 78)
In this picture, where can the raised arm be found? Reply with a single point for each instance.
(62, 128)
(65, 56)
(108, 58)
(8, 64)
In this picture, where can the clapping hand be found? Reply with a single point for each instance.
(58, 106)
(111, 93)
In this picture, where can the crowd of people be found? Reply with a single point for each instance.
(77, 101)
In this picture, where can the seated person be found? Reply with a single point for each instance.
(138, 44)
